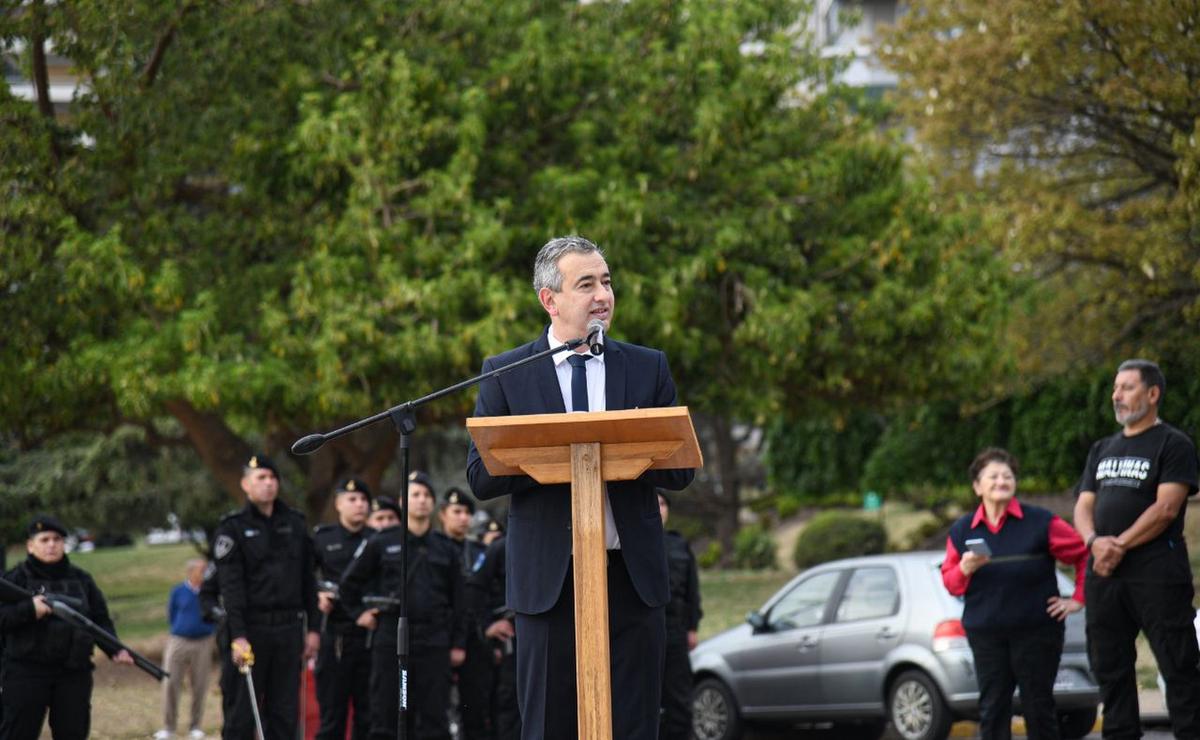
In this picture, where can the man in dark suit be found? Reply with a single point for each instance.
(574, 287)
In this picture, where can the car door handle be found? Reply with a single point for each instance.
(807, 643)
(886, 633)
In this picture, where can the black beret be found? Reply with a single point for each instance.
(455, 495)
(45, 523)
(385, 502)
(420, 476)
(494, 526)
(258, 461)
(353, 485)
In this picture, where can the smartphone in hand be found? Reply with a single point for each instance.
(979, 546)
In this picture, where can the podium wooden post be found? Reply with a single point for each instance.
(587, 449)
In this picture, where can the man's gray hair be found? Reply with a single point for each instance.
(194, 563)
(1150, 372)
(545, 266)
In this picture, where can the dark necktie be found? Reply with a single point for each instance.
(579, 393)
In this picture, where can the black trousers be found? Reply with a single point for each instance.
(277, 652)
(676, 721)
(506, 713)
(228, 681)
(474, 688)
(546, 662)
(1116, 611)
(31, 690)
(343, 674)
(428, 686)
(1007, 659)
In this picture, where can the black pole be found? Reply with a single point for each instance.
(406, 424)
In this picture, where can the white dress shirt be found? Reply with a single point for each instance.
(596, 402)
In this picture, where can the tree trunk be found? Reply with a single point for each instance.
(222, 451)
(727, 483)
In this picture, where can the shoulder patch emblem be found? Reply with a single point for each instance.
(223, 546)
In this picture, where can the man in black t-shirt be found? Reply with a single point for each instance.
(1130, 509)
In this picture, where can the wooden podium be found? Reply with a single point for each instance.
(587, 449)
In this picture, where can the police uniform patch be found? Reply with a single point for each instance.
(223, 546)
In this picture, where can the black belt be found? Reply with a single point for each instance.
(273, 617)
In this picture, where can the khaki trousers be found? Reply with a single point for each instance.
(190, 656)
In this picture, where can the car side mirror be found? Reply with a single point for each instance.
(757, 621)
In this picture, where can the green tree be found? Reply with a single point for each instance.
(1076, 124)
(264, 219)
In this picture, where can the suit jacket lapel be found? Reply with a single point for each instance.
(546, 378)
(614, 377)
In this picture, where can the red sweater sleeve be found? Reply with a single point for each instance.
(952, 575)
(1068, 547)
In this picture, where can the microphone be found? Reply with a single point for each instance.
(595, 336)
(308, 445)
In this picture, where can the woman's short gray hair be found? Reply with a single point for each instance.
(545, 266)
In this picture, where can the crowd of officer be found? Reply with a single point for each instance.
(282, 594)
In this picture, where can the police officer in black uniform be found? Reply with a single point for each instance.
(265, 568)
(343, 669)
(475, 674)
(48, 662)
(683, 621)
(434, 600)
(486, 591)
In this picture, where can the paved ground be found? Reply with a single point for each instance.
(1154, 718)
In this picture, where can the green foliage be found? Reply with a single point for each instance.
(711, 555)
(263, 239)
(1075, 128)
(110, 484)
(814, 458)
(754, 549)
(831, 535)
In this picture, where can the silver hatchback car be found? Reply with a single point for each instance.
(860, 643)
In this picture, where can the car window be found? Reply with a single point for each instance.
(804, 605)
(870, 593)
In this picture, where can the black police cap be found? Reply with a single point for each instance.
(420, 476)
(45, 523)
(259, 461)
(456, 496)
(385, 502)
(353, 485)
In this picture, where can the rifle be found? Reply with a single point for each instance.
(65, 608)
(334, 592)
(384, 604)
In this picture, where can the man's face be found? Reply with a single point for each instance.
(351, 508)
(1131, 397)
(456, 521)
(195, 573)
(586, 294)
(382, 519)
(47, 547)
(261, 486)
(664, 510)
(420, 502)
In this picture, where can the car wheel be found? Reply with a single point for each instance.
(1076, 724)
(714, 712)
(916, 709)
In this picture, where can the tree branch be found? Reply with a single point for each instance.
(41, 78)
(160, 47)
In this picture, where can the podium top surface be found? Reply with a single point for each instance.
(669, 424)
